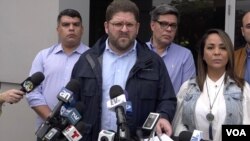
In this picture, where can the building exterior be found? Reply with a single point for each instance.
(28, 26)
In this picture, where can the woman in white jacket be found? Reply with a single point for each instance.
(216, 96)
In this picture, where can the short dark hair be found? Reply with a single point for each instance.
(162, 10)
(122, 6)
(69, 12)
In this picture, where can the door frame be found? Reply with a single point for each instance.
(230, 18)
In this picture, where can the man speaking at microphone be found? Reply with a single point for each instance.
(121, 59)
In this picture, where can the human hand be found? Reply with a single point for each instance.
(11, 96)
(163, 126)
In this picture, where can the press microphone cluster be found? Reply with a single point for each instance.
(30, 83)
(57, 124)
(67, 128)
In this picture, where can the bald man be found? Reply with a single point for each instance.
(242, 55)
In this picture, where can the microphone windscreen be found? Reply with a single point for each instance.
(37, 78)
(115, 91)
(73, 85)
(185, 136)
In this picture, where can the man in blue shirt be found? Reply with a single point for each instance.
(120, 59)
(178, 60)
(57, 63)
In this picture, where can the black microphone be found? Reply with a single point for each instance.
(71, 132)
(32, 82)
(117, 101)
(52, 135)
(43, 129)
(188, 136)
(65, 96)
(69, 116)
(72, 114)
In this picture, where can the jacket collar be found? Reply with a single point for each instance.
(144, 57)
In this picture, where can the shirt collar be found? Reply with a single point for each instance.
(151, 47)
(218, 82)
(78, 50)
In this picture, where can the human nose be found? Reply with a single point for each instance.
(71, 27)
(217, 51)
(124, 28)
(168, 27)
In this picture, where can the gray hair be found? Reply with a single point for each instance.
(162, 10)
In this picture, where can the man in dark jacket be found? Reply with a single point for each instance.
(120, 59)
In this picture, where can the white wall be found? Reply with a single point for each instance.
(27, 26)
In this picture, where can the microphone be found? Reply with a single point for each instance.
(72, 114)
(65, 96)
(68, 116)
(150, 124)
(151, 121)
(117, 98)
(106, 135)
(117, 104)
(32, 82)
(43, 129)
(189, 136)
(72, 132)
(52, 135)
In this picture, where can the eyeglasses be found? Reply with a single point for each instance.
(166, 25)
(120, 25)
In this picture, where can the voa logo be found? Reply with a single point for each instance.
(236, 132)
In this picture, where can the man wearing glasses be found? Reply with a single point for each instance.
(178, 60)
(120, 59)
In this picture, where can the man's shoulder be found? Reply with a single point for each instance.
(239, 52)
(180, 48)
(49, 49)
(240, 49)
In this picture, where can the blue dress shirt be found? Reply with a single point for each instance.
(56, 67)
(247, 71)
(116, 69)
(179, 62)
